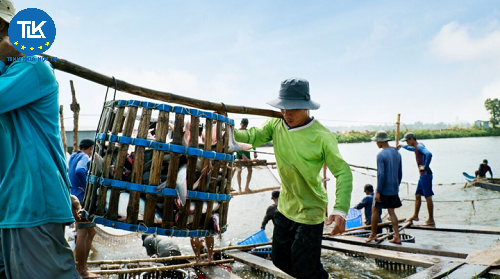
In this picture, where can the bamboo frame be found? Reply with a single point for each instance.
(161, 268)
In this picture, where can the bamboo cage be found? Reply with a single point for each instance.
(138, 151)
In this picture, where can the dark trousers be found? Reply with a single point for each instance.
(297, 248)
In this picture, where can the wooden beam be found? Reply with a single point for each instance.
(259, 263)
(467, 271)
(489, 256)
(406, 247)
(436, 271)
(459, 229)
(393, 256)
(77, 70)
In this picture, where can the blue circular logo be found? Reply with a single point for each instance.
(32, 31)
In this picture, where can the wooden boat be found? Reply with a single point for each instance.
(468, 177)
(486, 183)
(490, 184)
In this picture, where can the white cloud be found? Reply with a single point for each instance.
(455, 42)
(491, 90)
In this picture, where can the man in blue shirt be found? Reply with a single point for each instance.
(78, 168)
(424, 187)
(34, 184)
(367, 204)
(389, 175)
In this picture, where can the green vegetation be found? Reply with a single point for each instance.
(493, 106)
(356, 136)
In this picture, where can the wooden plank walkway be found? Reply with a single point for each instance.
(468, 271)
(436, 271)
(455, 252)
(388, 255)
(258, 263)
(459, 228)
(489, 256)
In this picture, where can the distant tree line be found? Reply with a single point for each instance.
(455, 132)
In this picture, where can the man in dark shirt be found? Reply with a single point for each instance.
(367, 204)
(271, 209)
(483, 169)
(160, 247)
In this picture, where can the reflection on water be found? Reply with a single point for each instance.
(453, 203)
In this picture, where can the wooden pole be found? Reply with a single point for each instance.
(257, 191)
(172, 258)
(161, 268)
(77, 70)
(397, 129)
(369, 226)
(380, 239)
(63, 131)
(75, 108)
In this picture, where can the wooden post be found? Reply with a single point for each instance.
(138, 167)
(75, 108)
(190, 172)
(156, 167)
(63, 131)
(173, 169)
(397, 129)
(215, 172)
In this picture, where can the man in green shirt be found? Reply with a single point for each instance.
(302, 146)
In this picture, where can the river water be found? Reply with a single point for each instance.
(454, 204)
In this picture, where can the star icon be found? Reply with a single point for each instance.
(15, 43)
(40, 47)
(47, 44)
(23, 47)
(31, 48)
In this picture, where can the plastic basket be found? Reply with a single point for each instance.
(256, 238)
(354, 218)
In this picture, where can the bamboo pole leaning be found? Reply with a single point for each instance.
(161, 268)
(75, 108)
(63, 130)
(85, 73)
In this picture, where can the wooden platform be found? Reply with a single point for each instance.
(454, 252)
(258, 263)
(388, 255)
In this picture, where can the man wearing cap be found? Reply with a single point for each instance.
(271, 210)
(302, 146)
(245, 156)
(367, 204)
(424, 187)
(34, 185)
(389, 175)
(78, 170)
(484, 169)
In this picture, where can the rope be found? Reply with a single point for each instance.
(471, 201)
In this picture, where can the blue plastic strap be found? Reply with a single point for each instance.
(148, 189)
(152, 230)
(164, 107)
(134, 103)
(148, 105)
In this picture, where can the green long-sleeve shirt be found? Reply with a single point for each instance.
(300, 154)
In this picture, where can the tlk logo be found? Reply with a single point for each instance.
(31, 31)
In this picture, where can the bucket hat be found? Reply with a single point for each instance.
(7, 10)
(408, 136)
(381, 136)
(294, 94)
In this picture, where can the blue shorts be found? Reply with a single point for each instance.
(424, 187)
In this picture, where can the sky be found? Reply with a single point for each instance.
(366, 61)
